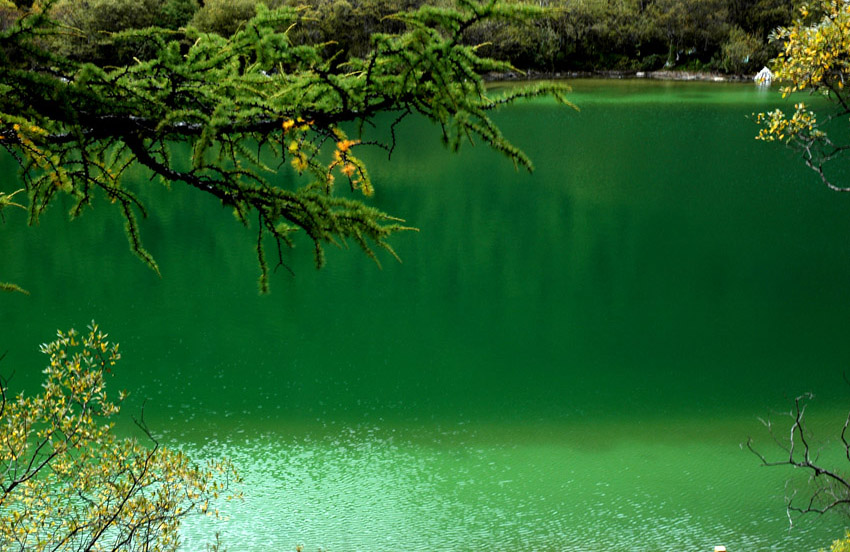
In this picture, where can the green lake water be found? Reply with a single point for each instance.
(565, 361)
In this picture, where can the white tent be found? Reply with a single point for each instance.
(765, 76)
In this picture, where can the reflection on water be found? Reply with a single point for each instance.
(603, 487)
(564, 361)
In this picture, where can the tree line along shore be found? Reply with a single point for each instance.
(570, 37)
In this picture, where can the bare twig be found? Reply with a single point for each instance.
(832, 487)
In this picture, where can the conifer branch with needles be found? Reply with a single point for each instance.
(76, 128)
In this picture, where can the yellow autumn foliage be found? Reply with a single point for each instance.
(67, 482)
(815, 59)
(841, 545)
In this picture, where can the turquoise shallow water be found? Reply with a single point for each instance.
(567, 360)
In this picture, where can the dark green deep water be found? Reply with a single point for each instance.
(564, 361)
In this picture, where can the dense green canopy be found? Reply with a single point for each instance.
(246, 105)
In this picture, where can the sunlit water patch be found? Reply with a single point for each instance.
(549, 488)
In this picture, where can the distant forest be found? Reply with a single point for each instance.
(731, 36)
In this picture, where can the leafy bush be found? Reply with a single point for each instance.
(742, 52)
(841, 545)
(224, 17)
(68, 483)
(93, 22)
(99, 16)
(174, 14)
(8, 14)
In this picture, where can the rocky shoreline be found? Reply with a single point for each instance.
(657, 75)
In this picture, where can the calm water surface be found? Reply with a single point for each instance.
(564, 361)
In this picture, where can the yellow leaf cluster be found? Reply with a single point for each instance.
(801, 126)
(816, 56)
(352, 167)
(68, 483)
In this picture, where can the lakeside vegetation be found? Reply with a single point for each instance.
(730, 36)
(571, 36)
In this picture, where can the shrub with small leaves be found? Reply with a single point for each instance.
(68, 483)
(224, 17)
(742, 52)
(88, 26)
(815, 58)
(841, 545)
